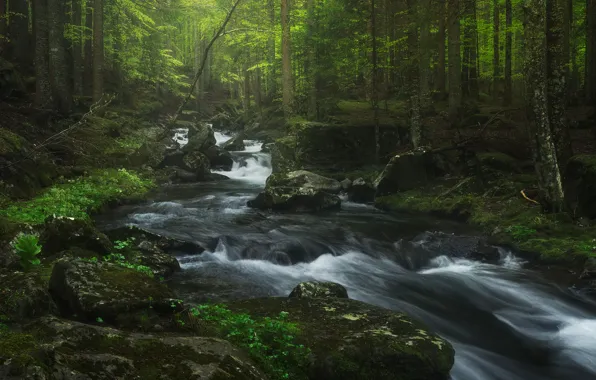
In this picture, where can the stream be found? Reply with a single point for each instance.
(505, 322)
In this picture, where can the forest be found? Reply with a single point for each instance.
(298, 189)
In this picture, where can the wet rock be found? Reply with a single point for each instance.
(353, 340)
(464, 247)
(196, 163)
(152, 153)
(580, 185)
(61, 233)
(319, 289)
(200, 138)
(589, 272)
(219, 158)
(24, 295)
(174, 158)
(90, 290)
(165, 243)
(64, 349)
(346, 184)
(295, 200)
(235, 143)
(361, 191)
(161, 263)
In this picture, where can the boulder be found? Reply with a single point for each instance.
(361, 191)
(24, 295)
(235, 143)
(589, 271)
(461, 246)
(319, 289)
(346, 184)
(200, 138)
(580, 185)
(219, 158)
(299, 191)
(11, 82)
(174, 158)
(52, 348)
(165, 243)
(197, 163)
(161, 263)
(61, 233)
(152, 153)
(349, 339)
(91, 290)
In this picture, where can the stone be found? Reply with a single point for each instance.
(589, 271)
(200, 138)
(319, 289)
(24, 295)
(346, 184)
(161, 263)
(361, 191)
(236, 143)
(91, 290)
(68, 350)
(579, 185)
(219, 158)
(350, 339)
(165, 243)
(196, 163)
(61, 233)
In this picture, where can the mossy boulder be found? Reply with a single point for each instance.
(236, 143)
(200, 138)
(351, 340)
(24, 295)
(580, 185)
(100, 289)
(500, 162)
(361, 191)
(61, 349)
(284, 155)
(167, 243)
(319, 289)
(298, 191)
(219, 158)
(196, 163)
(161, 263)
(61, 233)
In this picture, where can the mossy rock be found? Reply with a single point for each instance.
(25, 295)
(92, 290)
(499, 161)
(53, 347)
(351, 340)
(10, 143)
(61, 233)
(319, 289)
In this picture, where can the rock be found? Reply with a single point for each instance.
(174, 158)
(152, 154)
(589, 272)
(161, 263)
(319, 289)
(499, 161)
(580, 185)
(353, 340)
(61, 233)
(235, 143)
(461, 246)
(197, 163)
(219, 158)
(200, 138)
(24, 295)
(165, 243)
(11, 82)
(61, 349)
(294, 192)
(346, 184)
(361, 191)
(104, 290)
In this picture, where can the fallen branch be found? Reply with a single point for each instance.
(452, 189)
(527, 198)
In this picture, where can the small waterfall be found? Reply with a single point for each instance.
(250, 165)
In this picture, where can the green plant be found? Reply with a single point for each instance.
(27, 247)
(123, 244)
(270, 341)
(519, 232)
(99, 320)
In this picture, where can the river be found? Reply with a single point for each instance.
(505, 322)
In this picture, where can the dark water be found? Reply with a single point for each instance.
(505, 322)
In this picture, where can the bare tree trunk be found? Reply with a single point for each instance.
(591, 52)
(272, 76)
(98, 50)
(441, 80)
(496, 57)
(310, 68)
(77, 70)
(43, 89)
(414, 72)
(507, 96)
(3, 29)
(61, 91)
(545, 155)
(455, 89)
(288, 82)
(18, 32)
(474, 91)
(423, 17)
(88, 50)
(246, 86)
(374, 91)
(556, 76)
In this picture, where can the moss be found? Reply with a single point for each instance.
(18, 347)
(586, 159)
(9, 142)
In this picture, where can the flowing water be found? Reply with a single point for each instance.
(505, 322)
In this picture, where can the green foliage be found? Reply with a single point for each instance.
(120, 244)
(76, 198)
(270, 341)
(27, 248)
(519, 232)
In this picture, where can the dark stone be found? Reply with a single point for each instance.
(197, 163)
(346, 184)
(319, 289)
(219, 158)
(589, 272)
(235, 143)
(24, 295)
(161, 263)
(361, 191)
(200, 138)
(580, 185)
(165, 243)
(61, 233)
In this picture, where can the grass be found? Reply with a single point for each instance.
(78, 197)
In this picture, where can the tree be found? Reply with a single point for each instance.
(507, 96)
(287, 79)
(77, 52)
(3, 25)
(423, 19)
(454, 57)
(88, 50)
(18, 32)
(441, 81)
(98, 50)
(545, 155)
(469, 74)
(43, 89)
(374, 90)
(61, 91)
(496, 57)
(591, 52)
(413, 78)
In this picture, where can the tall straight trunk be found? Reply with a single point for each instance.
(567, 19)
(287, 80)
(507, 96)
(272, 76)
(414, 72)
(496, 56)
(374, 91)
(98, 50)
(574, 84)
(18, 32)
(469, 73)
(440, 84)
(246, 87)
(545, 155)
(423, 17)
(196, 55)
(257, 87)
(43, 89)
(309, 63)
(455, 90)
(591, 52)
(61, 91)
(77, 52)
(556, 76)
(473, 78)
(88, 50)
(3, 29)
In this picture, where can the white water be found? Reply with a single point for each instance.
(250, 165)
(181, 136)
(221, 138)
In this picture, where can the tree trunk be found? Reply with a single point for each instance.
(545, 155)
(496, 57)
(507, 96)
(310, 60)
(77, 70)
(591, 52)
(473, 78)
(455, 90)
(61, 91)
(3, 29)
(18, 32)
(440, 86)
(413, 78)
(423, 17)
(272, 76)
(556, 76)
(98, 50)
(246, 86)
(88, 50)
(288, 83)
(43, 89)
(374, 91)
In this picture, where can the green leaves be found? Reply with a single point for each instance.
(27, 248)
